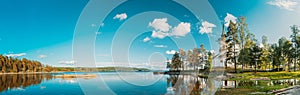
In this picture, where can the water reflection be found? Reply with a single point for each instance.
(168, 85)
(21, 81)
(185, 85)
(193, 85)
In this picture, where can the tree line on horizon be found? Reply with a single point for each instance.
(15, 65)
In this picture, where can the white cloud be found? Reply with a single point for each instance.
(160, 25)
(160, 46)
(170, 52)
(122, 16)
(181, 29)
(15, 55)
(70, 62)
(206, 27)
(284, 4)
(94, 25)
(162, 29)
(159, 34)
(42, 56)
(146, 39)
(229, 18)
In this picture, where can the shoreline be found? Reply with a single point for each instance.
(65, 72)
(29, 73)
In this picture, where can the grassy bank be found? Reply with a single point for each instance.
(271, 75)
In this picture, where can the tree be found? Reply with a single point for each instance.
(209, 62)
(288, 51)
(265, 57)
(195, 59)
(276, 56)
(232, 42)
(202, 54)
(182, 57)
(168, 64)
(190, 58)
(280, 50)
(176, 62)
(14, 68)
(256, 54)
(295, 31)
(242, 30)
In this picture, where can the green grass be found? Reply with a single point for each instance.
(271, 75)
(262, 86)
(249, 87)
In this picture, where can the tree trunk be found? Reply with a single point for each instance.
(295, 60)
(255, 66)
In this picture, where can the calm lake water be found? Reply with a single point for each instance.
(123, 83)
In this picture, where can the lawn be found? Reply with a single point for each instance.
(271, 75)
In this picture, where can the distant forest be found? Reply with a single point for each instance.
(15, 65)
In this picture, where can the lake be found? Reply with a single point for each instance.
(122, 83)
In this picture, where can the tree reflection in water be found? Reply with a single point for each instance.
(185, 85)
(14, 81)
(192, 85)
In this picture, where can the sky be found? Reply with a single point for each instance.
(130, 33)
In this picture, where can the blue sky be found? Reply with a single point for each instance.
(134, 31)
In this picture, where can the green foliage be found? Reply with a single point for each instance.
(283, 54)
(193, 58)
(176, 61)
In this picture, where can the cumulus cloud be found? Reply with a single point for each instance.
(146, 39)
(15, 55)
(161, 28)
(181, 29)
(42, 56)
(122, 16)
(159, 34)
(284, 4)
(229, 18)
(170, 52)
(70, 62)
(206, 27)
(160, 46)
(160, 25)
